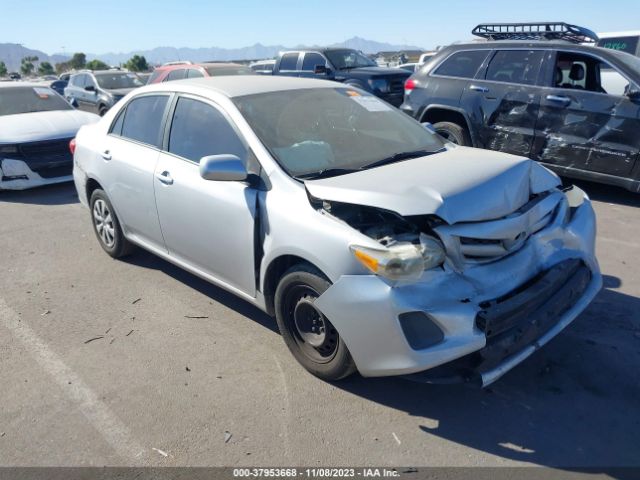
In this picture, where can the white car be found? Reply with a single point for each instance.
(36, 125)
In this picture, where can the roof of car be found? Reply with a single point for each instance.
(240, 85)
(24, 84)
(178, 66)
(507, 44)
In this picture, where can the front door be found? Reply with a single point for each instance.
(505, 101)
(586, 120)
(208, 225)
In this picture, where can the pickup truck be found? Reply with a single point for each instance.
(347, 66)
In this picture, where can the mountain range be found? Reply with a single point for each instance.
(11, 53)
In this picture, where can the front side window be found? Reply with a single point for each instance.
(194, 73)
(575, 71)
(515, 66)
(462, 64)
(14, 100)
(347, 59)
(116, 80)
(311, 59)
(289, 61)
(321, 131)
(143, 119)
(199, 129)
(177, 74)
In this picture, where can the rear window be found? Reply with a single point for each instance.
(289, 61)
(14, 100)
(226, 70)
(622, 44)
(462, 64)
(143, 119)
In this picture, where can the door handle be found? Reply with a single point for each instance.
(478, 88)
(106, 155)
(165, 177)
(565, 101)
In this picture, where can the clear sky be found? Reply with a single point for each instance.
(124, 25)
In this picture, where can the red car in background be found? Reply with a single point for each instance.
(178, 71)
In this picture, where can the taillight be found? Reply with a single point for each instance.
(72, 146)
(409, 85)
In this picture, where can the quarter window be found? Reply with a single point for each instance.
(194, 73)
(289, 61)
(462, 64)
(143, 119)
(515, 66)
(199, 130)
(312, 59)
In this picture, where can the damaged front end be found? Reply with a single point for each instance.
(473, 298)
(32, 164)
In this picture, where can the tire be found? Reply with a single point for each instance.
(453, 133)
(308, 334)
(107, 227)
(102, 110)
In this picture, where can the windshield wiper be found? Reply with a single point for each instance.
(398, 157)
(327, 172)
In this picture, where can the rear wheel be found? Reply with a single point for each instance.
(107, 227)
(308, 334)
(454, 133)
(102, 110)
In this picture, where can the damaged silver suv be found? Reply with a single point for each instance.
(377, 246)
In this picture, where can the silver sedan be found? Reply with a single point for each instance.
(378, 246)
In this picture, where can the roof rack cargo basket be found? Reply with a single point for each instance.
(535, 31)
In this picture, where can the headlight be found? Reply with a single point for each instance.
(379, 84)
(402, 261)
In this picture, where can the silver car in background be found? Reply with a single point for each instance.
(377, 246)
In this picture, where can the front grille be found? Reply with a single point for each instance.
(50, 158)
(482, 242)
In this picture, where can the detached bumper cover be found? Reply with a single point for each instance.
(16, 174)
(467, 304)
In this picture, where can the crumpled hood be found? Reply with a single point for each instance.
(35, 126)
(459, 185)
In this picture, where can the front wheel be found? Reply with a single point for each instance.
(453, 133)
(308, 334)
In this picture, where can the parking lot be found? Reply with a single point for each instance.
(136, 362)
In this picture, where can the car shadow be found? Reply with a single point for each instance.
(58, 194)
(606, 193)
(572, 405)
(144, 259)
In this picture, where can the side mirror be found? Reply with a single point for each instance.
(223, 168)
(320, 70)
(90, 88)
(634, 95)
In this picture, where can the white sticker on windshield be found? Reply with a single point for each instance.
(372, 104)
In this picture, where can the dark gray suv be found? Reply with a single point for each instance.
(98, 91)
(537, 91)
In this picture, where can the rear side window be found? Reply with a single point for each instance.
(462, 64)
(194, 73)
(198, 130)
(175, 75)
(78, 80)
(289, 61)
(311, 60)
(143, 119)
(515, 66)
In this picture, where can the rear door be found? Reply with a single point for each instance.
(130, 154)
(208, 225)
(504, 100)
(586, 121)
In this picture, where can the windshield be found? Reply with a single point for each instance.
(116, 80)
(313, 131)
(14, 100)
(229, 70)
(343, 59)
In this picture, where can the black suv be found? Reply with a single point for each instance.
(537, 91)
(344, 65)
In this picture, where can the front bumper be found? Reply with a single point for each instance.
(367, 311)
(16, 175)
